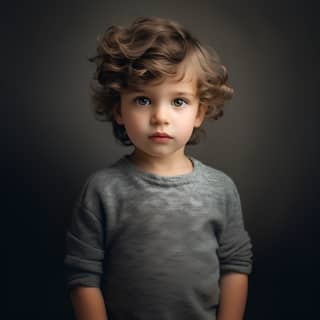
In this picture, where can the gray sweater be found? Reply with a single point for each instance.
(155, 245)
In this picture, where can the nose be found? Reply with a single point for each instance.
(159, 114)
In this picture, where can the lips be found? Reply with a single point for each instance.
(160, 135)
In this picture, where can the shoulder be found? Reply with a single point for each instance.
(223, 188)
(106, 176)
(217, 178)
(100, 181)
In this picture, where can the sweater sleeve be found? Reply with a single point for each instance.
(235, 248)
(83, 260)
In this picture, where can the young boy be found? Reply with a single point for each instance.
(158, 234)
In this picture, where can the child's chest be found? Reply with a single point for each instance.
(166, 237)
(163, 212)
(167, 221)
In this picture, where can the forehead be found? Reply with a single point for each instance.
(185, 80)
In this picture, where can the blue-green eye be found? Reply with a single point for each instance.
(143, 101)
(179, 102)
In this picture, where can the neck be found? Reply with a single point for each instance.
(175, 164)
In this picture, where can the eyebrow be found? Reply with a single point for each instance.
(180, 93)
(177, 93)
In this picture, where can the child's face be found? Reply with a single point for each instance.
(159, 119)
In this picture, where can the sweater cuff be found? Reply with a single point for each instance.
(83, 279)
(247, 269)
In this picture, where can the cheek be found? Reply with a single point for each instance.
(184, 128)
(134, 123)
(185, 121)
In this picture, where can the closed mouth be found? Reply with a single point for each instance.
(160, 135)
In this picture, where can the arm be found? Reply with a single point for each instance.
(233, 296)
(235, 256)
(88, 303)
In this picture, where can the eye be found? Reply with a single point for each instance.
(142, 101)
(179, 102)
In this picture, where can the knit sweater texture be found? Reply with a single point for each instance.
(157, 245)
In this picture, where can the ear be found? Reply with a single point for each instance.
(116, 111)
(202, 109)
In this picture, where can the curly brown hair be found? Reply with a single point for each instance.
(149, 50)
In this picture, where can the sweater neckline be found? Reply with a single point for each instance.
(159, 179)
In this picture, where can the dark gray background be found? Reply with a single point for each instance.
(266, 141)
